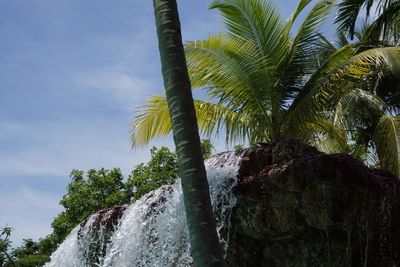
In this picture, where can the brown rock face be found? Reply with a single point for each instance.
(300, 207)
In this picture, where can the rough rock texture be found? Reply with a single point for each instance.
(300, 207)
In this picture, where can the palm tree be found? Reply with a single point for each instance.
(374, 128)
(5, 244)
(370, 112)
(265, 82)
(254, 72)
(201, 223)
(384, 28)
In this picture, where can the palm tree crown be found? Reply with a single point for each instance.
(266, 82)
(254, 71)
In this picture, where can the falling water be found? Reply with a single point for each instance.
(152, 231)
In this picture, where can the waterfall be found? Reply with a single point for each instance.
(152, 231)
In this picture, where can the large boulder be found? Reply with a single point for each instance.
(300, 207)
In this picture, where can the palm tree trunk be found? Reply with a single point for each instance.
(200, 219)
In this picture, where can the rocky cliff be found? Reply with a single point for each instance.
(300, 207)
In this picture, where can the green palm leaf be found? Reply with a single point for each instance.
(258, 21)
(300, 6)
(348, 13)
(387, 140)
(383, 28)
(233, 71)
(327, 86)
(302, 59)
(386, 22)
(325, 135)
(308, 33)
(348, 110)
(153, 120)
(317, 92)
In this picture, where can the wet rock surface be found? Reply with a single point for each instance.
(105, 218)
(300, 207)
(96, 231)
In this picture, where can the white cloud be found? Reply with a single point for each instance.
(125, 90)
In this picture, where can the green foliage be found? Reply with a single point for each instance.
(238, 148)
(29, 254)
(207, 148)
(385, 24)
(5, 244)
(369, 112)
(387, 140)
(101, 189)
(32, 260)
(160, 170)
(29, 247)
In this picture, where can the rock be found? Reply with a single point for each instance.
(300, 207)
(106, 218)
(96, 231)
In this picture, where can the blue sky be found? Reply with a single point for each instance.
(72, 73)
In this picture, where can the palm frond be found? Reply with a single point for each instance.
(325, 88)
(383, 25)
(308, 32)
(213, 117)
(391, 58)
(382, 28)
(153, 120)
(325, 135)
(348, 11)
(220, 59)
(349, 109)
(341, 40)
(313, 98)
(232, 71)
(387, 141)
(258, 21)
(302, 59)
(326, 48)
(300, 6)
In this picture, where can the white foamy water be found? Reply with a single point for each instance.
(153, 230)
